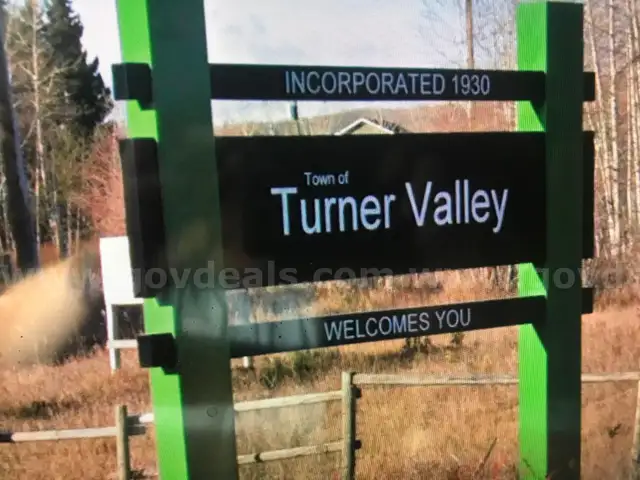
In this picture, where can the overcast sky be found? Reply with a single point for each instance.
(331, 32)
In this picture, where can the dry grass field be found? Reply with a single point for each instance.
(408, 433)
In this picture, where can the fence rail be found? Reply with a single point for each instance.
(124, 344)
(268, 403)
(127, 426)
(421, 380)
(289, 453)
(132, 425)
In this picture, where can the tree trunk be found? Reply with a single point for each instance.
(78, 226)
(42, 197)
(633, 108)
(632, 153)
(616, 171)
(595, 115)
(20, 214)
(470, 55)
(63, 226)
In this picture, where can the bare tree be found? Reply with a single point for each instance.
(634, 104)
(97, 187)
(39, 87)
(19, 203)
(613, 125)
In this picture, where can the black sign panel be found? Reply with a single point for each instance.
(132, 81)
(301, 209)
(330, 331)
(282, 82)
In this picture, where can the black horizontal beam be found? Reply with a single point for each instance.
(133, 81)
(308, 333)
(285, 82)
(334, 330)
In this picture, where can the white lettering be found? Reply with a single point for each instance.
(479, 201)
(343, 79)
(341, 213)
(348, 329)
(389, 324)
(471, 84)
(499, 209)
(358, 81)
(283, 192)
(387, 210)
(317, 225)
(374, 210)
(298, 82)
(414, 80)
(396, 325)
(376, 81)
(452, 319)
(425, 84)
(425, 325)
(334, 330)
(400, 325)
(332, 81)
(398, 83)
(457, 205)
(401, 86)
(387, 83)
(371, 333)
(315, 86)
(460, 205)
(412, 323)
(439, 84)
(420, 217)
(465, 320)
(328, 203)
(321, 180)
(443, 214)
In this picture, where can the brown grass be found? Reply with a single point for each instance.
(407, 433)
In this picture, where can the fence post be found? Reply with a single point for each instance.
(122, 443)
(112, 334)
(349, 395)
(247, 362)
(635, 446)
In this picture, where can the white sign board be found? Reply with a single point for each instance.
(117, 287)
(117, 279)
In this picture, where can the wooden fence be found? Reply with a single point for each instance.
(417, 380)
(127, 426)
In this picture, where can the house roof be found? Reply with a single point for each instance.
(383, 125)
(440, 117)
(327, 124)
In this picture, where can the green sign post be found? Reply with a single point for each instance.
(221, 206)
(550, 39)
(193, 410)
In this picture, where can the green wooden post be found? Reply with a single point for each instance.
(550, 39)
(193, 409)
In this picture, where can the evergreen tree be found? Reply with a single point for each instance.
(86, 97)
